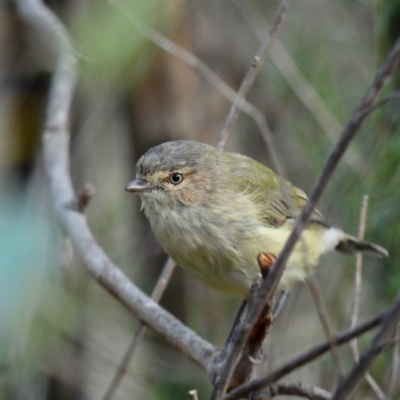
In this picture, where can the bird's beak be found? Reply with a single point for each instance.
(138, 185)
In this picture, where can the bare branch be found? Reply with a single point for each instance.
(291, 389)
(304, 358)
(305, 92)
(358, 116)
(324, 317)
(357, 296)
(211, 77)
(394, 382)
(252, 72)
(349, 383)
(158, 291)
(56, 162)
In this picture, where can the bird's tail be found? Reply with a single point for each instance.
(350, 244)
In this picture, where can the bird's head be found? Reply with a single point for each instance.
(179, 171)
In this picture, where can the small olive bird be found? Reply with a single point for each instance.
(214, 212)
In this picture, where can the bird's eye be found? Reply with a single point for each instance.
(176, 178)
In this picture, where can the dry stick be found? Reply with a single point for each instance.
(210, 76)
(269, 286)
(158, 291)
(292, 389)
(56, 164)
(252, 73)
(380, 341)
(324, 317)
(394, 385)
(309, 97)
(304, 358)
(216, 82)
(223, 378)
(357, 296)
(222, 87)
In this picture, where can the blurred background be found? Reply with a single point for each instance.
(61, 335)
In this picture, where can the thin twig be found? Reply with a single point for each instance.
(291, 389)
(304, 358)
(269, 286)
(211, 77)
(56, 164)
(349, 383)
(395, 96)
(357, 297)
(324, 317)
(233, 357)
(358, 272)
(305, 92)
(156, 295)
(394, 381)
(252, 72)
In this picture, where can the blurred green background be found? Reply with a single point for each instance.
(62, 336)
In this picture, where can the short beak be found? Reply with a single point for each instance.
(138, 186)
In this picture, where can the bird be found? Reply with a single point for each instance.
(213, 212)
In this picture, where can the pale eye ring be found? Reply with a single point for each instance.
(176, 178)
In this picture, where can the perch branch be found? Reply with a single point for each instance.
(304, 358)
(269, 286)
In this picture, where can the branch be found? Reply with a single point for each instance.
(360, 113)
(357, 296)
(212, 78)
(56, 164)
(349, 383)
(305, 92)
(394, 385)
(304, 358)
(292, 389)
(252, 72)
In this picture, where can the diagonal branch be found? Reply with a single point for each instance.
(352, 380)
(56, 164)
(269, 286)
(305, 358)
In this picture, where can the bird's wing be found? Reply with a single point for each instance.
(277, 199)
